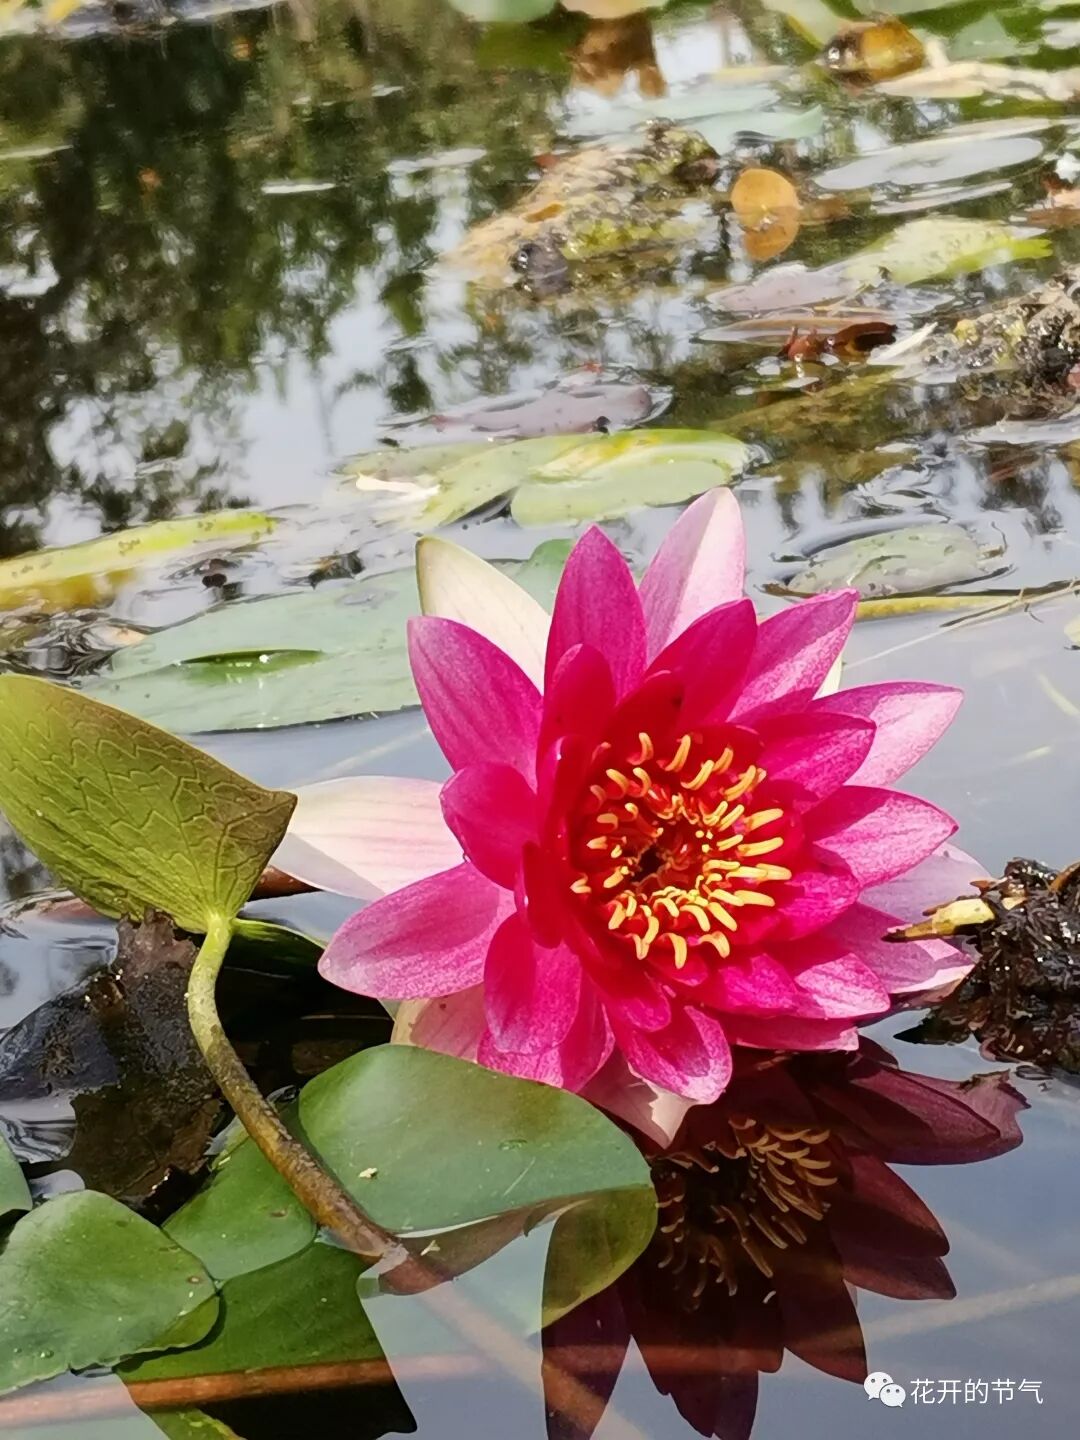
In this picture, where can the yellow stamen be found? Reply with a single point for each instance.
(678, 760)
(618, 915)
(719, 943)
(700, 916)
(679, 948)
(763, 817)
(718, 912)
(707, 767)
(619, 780)
(763, 847)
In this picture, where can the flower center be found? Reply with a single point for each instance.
(738, 1198)
(671, 846)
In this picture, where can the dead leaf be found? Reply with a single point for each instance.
(855, 341)
(872, 50)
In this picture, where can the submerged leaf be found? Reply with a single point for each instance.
(126, 815)
(84, 1281)
(88, 573)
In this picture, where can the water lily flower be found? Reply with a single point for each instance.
(775, 1201)
(659, 839)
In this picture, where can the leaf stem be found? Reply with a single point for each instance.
(330, 1204)
(335, 1209)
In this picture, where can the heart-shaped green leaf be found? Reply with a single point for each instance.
(85, 1281)
(128, 816)
(429, 1143)
(304, 1310)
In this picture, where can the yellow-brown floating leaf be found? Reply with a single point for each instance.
(874, 50)
(760, 194)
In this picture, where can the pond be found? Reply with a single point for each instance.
(295, 284)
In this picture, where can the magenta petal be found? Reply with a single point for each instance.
(945, 875)
(451, 1024)
(816, 752)
(479, 703)
(878, 834)
(909, 717)
(431, 938)
(569, 1065)
(813, 899)
(789, 1033)
(492, 811)
(710, 658)
(753, 984)
(597, 604)
(578, 698)
(700, 564)
(795, 651)
(840, 986)
(531, 993)
(903, 967)
(691, 1056)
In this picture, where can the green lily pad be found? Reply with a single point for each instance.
(14, 1191)
(85, 1281)
(609, 475)
(428, 1143)
(254, 664)
(941, 246)
(303, 1310)
(128, 816)
(88, 573)
(896, 562)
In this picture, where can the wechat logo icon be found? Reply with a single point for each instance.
(880, 1386)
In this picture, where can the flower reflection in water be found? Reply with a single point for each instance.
(775, 1201)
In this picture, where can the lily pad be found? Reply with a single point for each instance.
(303, 1310)
(895, 562)
(574, 403)
(320, 654)
(88, 573)
(84, 1281)
(610, 475)
(429, 1143)
(942, 246)
(14, 1191)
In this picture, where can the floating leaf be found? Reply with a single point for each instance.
(311, 655)
(692, 107)
(941, 246)
(978, 77)
(874, 49)
(88, 574)
(303, 1310)
(786, 287)
(895, 562)
(722, 131)
(14, 1191)
(126, 815)
(578, 402)
(613, 474)
(84, 1281)
(966, 150)
(429, 1143)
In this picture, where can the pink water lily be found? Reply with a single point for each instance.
(659, 839)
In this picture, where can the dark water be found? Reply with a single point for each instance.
(221, 272)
